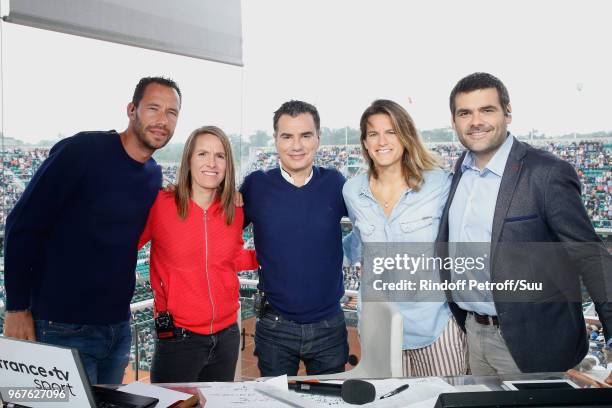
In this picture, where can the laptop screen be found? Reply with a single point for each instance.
(42, 375)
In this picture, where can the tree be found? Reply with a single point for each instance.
(259, 139)
(240, 148)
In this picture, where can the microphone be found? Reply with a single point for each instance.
(357, 392)
(316, 387)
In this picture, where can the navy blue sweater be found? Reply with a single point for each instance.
(298, 241)
(71, 240)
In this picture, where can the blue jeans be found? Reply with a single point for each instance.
(104, 349)
(280, 344)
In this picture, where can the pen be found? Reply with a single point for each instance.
(396, 391)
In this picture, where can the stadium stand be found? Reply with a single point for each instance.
(592, 160)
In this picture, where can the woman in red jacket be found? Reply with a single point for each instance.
(196, 250)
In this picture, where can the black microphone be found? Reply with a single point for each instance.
(316, 387)
(352, 391)
(358, 392)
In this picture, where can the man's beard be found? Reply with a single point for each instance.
(140, 132)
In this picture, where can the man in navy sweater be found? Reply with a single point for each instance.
(296, 211)
(71, 239)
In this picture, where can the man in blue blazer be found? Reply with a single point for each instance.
(505, 191)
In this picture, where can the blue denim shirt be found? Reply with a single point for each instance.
(415, 218)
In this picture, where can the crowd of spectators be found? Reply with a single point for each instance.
(338, 157)
(17, 168)
(352, 276)
(144, 338)
(592, 160)
(169, 172)
(142, 291)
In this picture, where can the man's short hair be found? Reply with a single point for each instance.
(477, 81)
(296, 108)
(144, 82)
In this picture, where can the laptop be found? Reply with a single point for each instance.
(39, 375)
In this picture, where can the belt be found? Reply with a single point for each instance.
(485, 319)
(268, 309)
(182, 332)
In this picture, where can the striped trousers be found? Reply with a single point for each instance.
(445, 356)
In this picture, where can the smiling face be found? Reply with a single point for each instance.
(296, 141)
(154, 119)
(382, 143)
(480, 123)
(207, 163)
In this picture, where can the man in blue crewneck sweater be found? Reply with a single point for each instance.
(71, 239)
(296, 211)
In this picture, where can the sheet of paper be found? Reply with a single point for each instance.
(165, 396)
(291, 399)
(238, 394)
(245, 394)
(428, 403)
(423, 391)
(279, 382)
(273, 394)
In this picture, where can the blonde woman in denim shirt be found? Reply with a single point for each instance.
(400, 199)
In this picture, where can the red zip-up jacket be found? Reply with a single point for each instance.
(194, 263)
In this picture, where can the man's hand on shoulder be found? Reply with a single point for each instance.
(19, 325)
(238, 200)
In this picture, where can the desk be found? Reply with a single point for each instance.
(461, 382)
(494, 382)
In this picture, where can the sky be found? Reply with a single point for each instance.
(553, 56)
